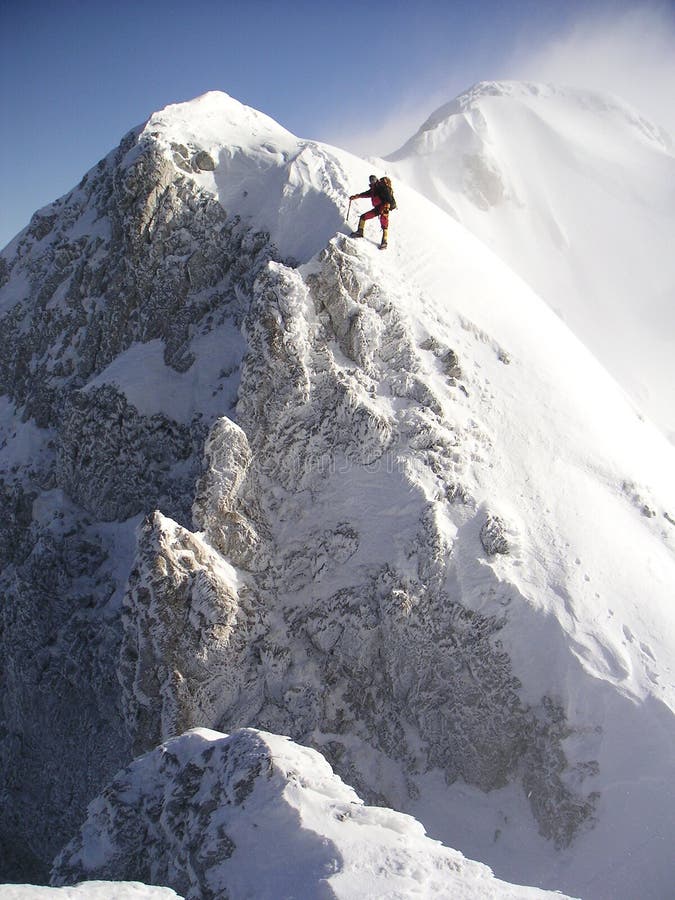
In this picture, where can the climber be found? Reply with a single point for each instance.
(382, 195)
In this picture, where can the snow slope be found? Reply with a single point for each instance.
(576, 192)
(448, 540)
(587, 493)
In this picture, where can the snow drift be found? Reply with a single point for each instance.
(89, 890)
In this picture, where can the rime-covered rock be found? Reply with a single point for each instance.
(187, 627)
(116, 463)
(254, 815)
(493, 535)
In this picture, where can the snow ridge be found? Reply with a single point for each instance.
(571, 189)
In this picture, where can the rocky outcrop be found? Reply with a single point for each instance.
(218, 509)
(188, 629)
(493, 535)
(253, 815)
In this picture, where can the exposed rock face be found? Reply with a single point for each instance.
(186, 637)
(134, 253)
(60, 692)
(116, 463)
(137, 252)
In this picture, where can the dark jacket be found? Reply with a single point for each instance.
(379, 194)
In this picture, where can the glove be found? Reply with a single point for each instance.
(384, 209)
(353, 197)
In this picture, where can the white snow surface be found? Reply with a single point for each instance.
(575, 190)
(585, 486)
(155, 388)
(88, 890)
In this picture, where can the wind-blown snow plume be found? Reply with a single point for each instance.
(626, 52)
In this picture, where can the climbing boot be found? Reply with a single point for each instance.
(383, 242)
(359, 230)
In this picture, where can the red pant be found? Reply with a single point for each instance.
(384, 217)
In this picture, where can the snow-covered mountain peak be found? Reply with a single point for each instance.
(573, 190)
(487, 104)
(461, 104)
(216, 122)
(254, 168)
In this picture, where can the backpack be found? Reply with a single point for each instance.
(386, 192)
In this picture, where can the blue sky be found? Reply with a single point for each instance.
(75, 76)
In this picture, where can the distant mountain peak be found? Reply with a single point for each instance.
(572, 189)
(540, 97)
